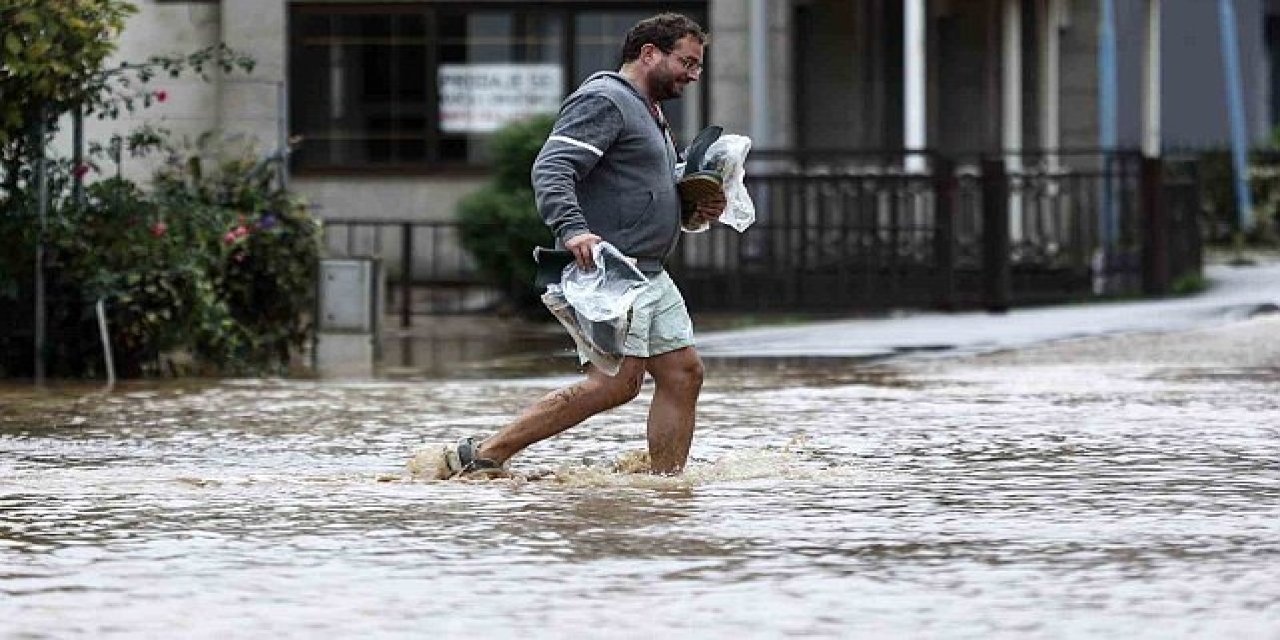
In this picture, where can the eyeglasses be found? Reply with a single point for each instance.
(692, 65)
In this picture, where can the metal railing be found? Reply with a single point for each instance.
(855, 231)
(425, 262)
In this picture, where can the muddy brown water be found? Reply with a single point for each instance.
(1103, 488)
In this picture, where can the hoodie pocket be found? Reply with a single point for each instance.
(636, 209)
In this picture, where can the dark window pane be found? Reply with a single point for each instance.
(491, 69)
(598, 46)
(359, 83)
(392, 84)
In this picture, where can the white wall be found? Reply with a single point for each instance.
(386, 197)
(249, 104)
(159, 29)
(729, 57)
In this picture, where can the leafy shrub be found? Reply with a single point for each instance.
(500, 225)
(215, 261)
(264, 244)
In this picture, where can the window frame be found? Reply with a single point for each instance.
(564, 10)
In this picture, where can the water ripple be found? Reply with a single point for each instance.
(999, 501)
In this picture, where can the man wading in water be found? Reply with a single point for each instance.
(607, 173)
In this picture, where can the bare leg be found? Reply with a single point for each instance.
(566, 407)
(678, 379)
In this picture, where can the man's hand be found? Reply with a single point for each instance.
(709, 210)
(582, 246)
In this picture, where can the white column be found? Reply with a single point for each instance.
(249, 103)
(759, 29)
(1051, 75)
(1011, 136)
(1012, 108)
(913, 82)
(1151, 136)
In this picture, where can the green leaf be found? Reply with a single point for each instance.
(13, 43)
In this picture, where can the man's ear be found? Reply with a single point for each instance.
(646, 51)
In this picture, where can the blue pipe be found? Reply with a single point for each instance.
(1107, 113)
(1230, 40)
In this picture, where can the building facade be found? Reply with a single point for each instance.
(393, 100)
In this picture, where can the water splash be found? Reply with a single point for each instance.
(794, 461)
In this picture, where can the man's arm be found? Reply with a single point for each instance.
(586, 128)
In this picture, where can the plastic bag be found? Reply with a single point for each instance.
(606, 292)
(595, 306)
(604, 336)
(726, 159)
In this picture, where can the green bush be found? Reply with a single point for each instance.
(155, 262)
(215, 262)
(500, 225)
(263, 246)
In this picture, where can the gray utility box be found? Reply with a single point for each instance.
(349, 295)
(349, 309)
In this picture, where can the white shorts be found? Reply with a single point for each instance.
(660, 321)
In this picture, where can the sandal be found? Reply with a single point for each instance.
(462, 460)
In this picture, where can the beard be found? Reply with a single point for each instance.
(665, 87)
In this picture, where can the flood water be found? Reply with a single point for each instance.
(1041, 495)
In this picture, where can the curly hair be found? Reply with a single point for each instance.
(662, 31)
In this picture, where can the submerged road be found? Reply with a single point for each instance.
(1234, 293)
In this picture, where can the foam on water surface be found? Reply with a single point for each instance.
(794, 461)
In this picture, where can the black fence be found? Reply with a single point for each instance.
(855, 231)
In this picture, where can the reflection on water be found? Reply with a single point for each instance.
(1009, 500)
(475, 347)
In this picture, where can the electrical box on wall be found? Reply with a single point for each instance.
(348, 295)
(349, 314)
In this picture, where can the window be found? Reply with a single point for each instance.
(421, 87)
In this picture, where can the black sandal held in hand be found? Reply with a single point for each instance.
(699, 183)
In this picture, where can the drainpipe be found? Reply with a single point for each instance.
(914, 134)
(1107, 142)
(1108, 136)
(1235, 111)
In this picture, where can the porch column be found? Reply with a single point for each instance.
(1051, 18)
(759, 33)
(1011, 87)
(914, 136)
(252, 104)
(1151, 137)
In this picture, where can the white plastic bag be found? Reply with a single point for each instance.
(606, 292)
(727, 158)
(595, 306)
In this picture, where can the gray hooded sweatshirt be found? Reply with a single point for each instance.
(608, 169)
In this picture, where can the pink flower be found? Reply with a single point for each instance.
(241, 231)
(239, 257)
(161, 95)
(158, 229)
(229, 238)
(80, 170)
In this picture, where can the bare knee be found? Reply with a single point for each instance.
(620, 389)
(682, 370)
(691, 374)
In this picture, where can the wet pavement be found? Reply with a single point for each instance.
(1107, 485)
(1234, 293)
